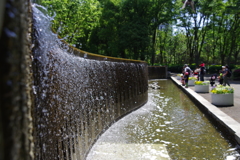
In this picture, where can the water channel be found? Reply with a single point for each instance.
(169, 126)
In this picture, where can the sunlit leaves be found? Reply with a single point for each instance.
(131, 29)
(74, 18)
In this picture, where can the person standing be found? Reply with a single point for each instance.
(182, 77)
(187, 72)
(220, 77)
(202, 71)
(225, 75)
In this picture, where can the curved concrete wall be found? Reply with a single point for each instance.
(59, 107)
(74, 108)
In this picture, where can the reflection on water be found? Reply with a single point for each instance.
(172, 119)
(178, 123)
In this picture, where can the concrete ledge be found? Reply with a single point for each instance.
(226, 124)
(237, 135)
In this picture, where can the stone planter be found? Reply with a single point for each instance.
(222, 99)
(178, 78)
(201, 88)
(191, 82)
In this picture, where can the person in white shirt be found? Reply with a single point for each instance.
(187, 73)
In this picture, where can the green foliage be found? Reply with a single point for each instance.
(236, 73)
(201, 83)
(214, 69)
(74, 18)
(179, 67)
(219, 89)
(146, 30)
(175, 68)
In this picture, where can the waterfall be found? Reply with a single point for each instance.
(78, 97)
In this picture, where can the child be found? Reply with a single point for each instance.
(220, 78)
(212, 80)
(187, 73)
(182, 80)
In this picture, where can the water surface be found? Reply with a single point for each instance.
(172, 119)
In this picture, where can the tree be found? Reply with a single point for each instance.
(74, 19)
(132, 29)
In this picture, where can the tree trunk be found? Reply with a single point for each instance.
(153, 50)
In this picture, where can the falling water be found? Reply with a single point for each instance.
(77, 98)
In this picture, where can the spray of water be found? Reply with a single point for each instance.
(77, 98)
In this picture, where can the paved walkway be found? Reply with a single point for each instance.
(232, 111)
(229, 117)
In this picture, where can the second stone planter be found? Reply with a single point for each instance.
(201, 88)
(222, 99)
(191, 82)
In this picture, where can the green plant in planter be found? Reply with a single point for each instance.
(219, 89)
(201, 82)
(192, 78)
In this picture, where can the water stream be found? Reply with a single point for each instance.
(169, 118)
(77, 97)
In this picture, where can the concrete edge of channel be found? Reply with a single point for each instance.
(223, 120)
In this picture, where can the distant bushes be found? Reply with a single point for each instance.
(235, 71)
(236, 74)
(211, 69)
(214, 69)
(175, 68)
(178, 68)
